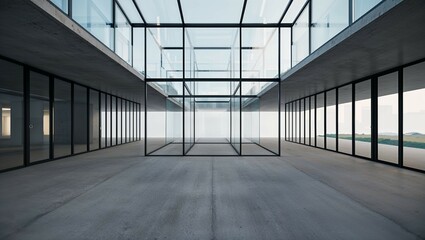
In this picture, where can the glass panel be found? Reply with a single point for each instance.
(307, 121)
(61, 4)
(259, 52)
(114, 120)
(139, 49)
(195, 11)
(212, 53)
(94, 119)
(414, 116)
(360, 7)
(302, 126)
(128, 126)
(263, 11)
(62, 119)
(293, 11)
(363, 119)
(313, 122)
(123, 46)
(388, 118)
(329, 17)
(331, 120)
(12, 115)
(345, 119)
(159, 11)
(164, 53)
(96, 17)
(300, 38)
(296, 121)
(285, 49)
(39, 118)
(124, 121)
(235, 137)
(130, 11)
(119, 121)
(189, 125)
(103, 119)
(320, 141)
(80, 119)
(108, 121)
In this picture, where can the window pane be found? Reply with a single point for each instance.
(195, 11)
(331, 120)
(320, 120)
(285, 49)
(300, 38)
(114, 120)
(130, 11)
(388, 118)
(329, 17)
(363, 119)
(123, 46)
(80, 119)
(414, 116)
(94, 119)
(307, 121)
(302, 136)
(313, 122)
(119, 121)
(61, 4)
(293, 11)
(103, 120)
(12, 115)
(139, 49)
(62, 117)
(360, 7)
(259, 52)
(108, 120)
(296, 121)
(96, 17)
(345, 109)
(262, 11)
(159, 11)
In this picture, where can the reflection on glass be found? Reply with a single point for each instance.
(388, 118)
(300, 38)
(329, 17)
(94, 120)
(331, 120)
(259, 52)
(345, 109)
(320, 141)
(103, 120)
(12, 115)
(62, 118)
(96, 17)
(363, 119)
(80, 119)
(414, 116)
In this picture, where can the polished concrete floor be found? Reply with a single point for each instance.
(305, 194)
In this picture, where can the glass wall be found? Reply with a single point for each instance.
(345, 119)
(313, 121)
(80, 119)
(62, 118)
(62, 4)
(307, 121)
(320, 120)
(329, 17)
(300, 37)
(12, 115)
(96, 17)
(114, 120)
(414, 116)
(360, 7)
(94, 120)
(388, 118)
(103, 119)
(331, 120)
(302, 126)
(363, 119)
(123, 46)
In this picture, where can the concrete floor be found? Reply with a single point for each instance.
(305, 194)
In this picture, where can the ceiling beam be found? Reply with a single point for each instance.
(243, 11)
(138, 10)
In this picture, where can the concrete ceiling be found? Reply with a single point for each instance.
(389, 36)
(38, 34)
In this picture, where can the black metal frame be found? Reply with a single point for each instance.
(26, 113)
(374, 116)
